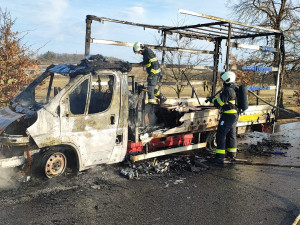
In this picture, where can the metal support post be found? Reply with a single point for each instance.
(88, 37)
(50, 86)
(278, 80)
(216, 65)
(164, 45)
(257, 99)
(228, 48)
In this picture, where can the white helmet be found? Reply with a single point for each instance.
(137, 47)
(228, 77)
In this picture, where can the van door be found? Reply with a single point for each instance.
(89, 118)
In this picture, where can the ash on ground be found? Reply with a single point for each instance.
(176, 164)
(262, 144)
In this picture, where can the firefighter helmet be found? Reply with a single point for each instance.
(137, 47)
(228, 77)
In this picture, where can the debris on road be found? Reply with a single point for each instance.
(96, 187)
(178, 181)
(268, 148)
(172, 164)
(129, 173)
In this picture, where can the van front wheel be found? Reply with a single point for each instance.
(54, 163)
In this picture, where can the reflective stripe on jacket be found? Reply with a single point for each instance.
(226, 100)
(155, 71)
(150, 61)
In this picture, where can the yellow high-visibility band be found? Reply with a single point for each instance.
(230, 111)
(233, 150)
(150, 61)
(153, 59)
(231, 101)
(155, 71)
(150, 100)
(220, 101)
(220, 151)
(157, 93)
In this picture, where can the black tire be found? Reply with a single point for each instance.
(54, 163)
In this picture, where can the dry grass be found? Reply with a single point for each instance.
(168, 91)
(268, 95)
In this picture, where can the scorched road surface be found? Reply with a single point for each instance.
(235, 194)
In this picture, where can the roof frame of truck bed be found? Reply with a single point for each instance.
(217, 31)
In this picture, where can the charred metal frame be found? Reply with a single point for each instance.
(216, 32)
(50, 126)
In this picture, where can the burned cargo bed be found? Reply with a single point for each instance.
(169, 128)
(183, 125)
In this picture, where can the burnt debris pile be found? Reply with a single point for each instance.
(177, 164)
(93, 63)
(268, 148)
(96, 62)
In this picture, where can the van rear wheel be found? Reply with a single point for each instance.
(54, 163)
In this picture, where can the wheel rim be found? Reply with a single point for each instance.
(55, 165)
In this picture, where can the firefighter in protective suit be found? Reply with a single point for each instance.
(153, 70)
(226, 132)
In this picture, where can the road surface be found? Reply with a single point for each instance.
(233, 194)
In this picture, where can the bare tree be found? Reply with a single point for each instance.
(243, 77)
(14, 58)
(178, 59)
(282, 15)
(296, 94)
(181, 58)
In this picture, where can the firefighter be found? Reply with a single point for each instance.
(153, 70)
(226, 132)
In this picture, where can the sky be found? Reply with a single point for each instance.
(59, 25)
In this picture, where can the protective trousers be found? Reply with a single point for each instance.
(226, 135)
(152, 80)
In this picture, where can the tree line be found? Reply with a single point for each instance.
(50, 57)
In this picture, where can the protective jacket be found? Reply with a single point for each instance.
(226, 132)
(227, 99)
(150, 61)
(153, 69)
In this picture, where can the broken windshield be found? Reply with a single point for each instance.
(40, 91)
(50, 87)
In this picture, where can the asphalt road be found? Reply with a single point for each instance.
(233, 194)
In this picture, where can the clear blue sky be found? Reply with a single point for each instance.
(59, 25)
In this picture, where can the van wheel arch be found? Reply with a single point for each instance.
(55, 160)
